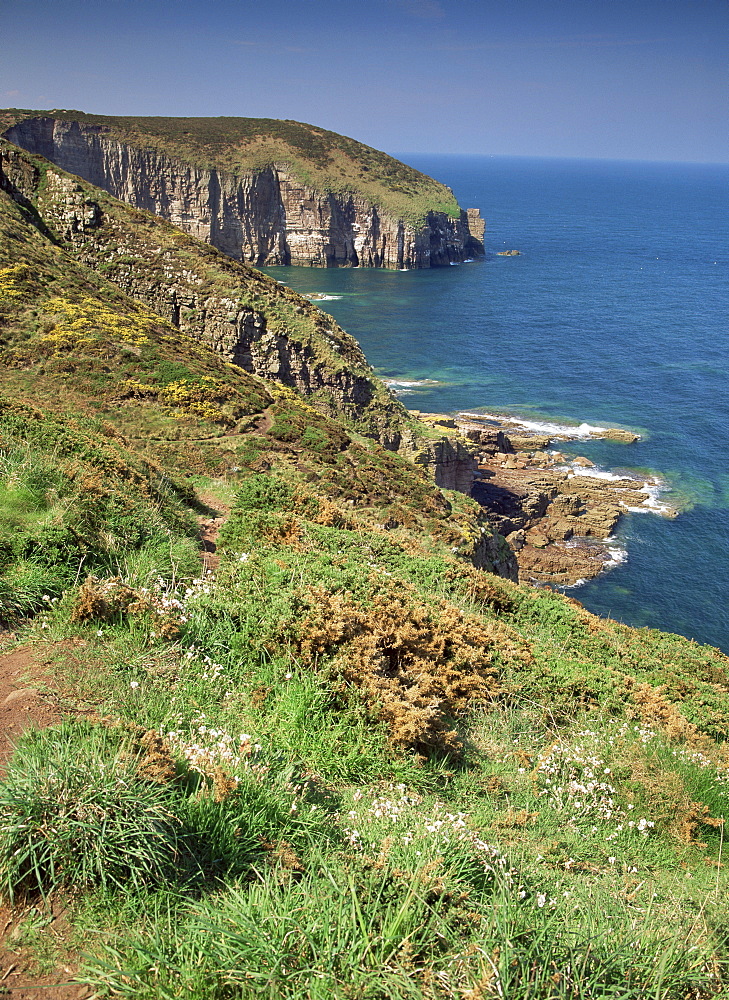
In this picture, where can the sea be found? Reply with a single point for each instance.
(615, 313)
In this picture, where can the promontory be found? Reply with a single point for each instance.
(262, 190)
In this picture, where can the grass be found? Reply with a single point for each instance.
(545, 858)
(345, 763)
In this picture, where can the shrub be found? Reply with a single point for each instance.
(262, 492)
(417, 665)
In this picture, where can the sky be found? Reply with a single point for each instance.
(618, 79)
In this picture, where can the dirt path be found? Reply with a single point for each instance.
(22, 701)
(25, 702)
(209, 528)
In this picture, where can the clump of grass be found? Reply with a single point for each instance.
(366, 929)
(87, 806)
(76, 814)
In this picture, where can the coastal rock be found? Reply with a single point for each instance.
(476, 225)
(524, 437)
(534, 442)
(517, 539)
(556, 519)
(446, 460)
(438, 420)
(490, 441)
(618, 434)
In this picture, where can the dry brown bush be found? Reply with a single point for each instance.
(489, 591)
(158, 763)
(418, 665)
(657, 711)
(111, 599)
(103, 600)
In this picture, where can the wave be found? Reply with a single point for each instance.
(594, 472)
(651, 488)
(545, 427)
(401, 385)
(616, 553)
(652, 503)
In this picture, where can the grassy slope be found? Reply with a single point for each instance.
(135, 249)
(321, 159)
(346, 764)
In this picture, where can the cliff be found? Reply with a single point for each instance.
(262, 191)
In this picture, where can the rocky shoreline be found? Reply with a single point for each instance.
(557, 511)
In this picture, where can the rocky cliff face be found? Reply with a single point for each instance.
(244, 315)
(263, 217)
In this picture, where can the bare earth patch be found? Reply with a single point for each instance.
(22, 703)
(209, 528)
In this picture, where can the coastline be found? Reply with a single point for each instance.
(557, 510)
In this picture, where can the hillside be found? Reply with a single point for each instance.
(313, 745)
(266, 191)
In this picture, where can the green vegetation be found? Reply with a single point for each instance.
(227, 304)
(337, 760)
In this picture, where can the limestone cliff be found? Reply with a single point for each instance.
(267, 214)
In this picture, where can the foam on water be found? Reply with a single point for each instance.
(652, 504)
(401, 386)
(652, 487)
(543, 427)
(618, 554)
(591, 473)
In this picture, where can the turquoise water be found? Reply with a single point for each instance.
(616, 313)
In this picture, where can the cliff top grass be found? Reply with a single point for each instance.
(322, 160)
(330, 758)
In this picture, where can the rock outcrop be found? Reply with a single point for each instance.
(447, 460)
(556, 515)
(263, 216)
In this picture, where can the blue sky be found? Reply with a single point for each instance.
(626, 79)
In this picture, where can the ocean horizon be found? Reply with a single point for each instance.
(615, 313)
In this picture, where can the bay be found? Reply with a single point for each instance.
(616, 312)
